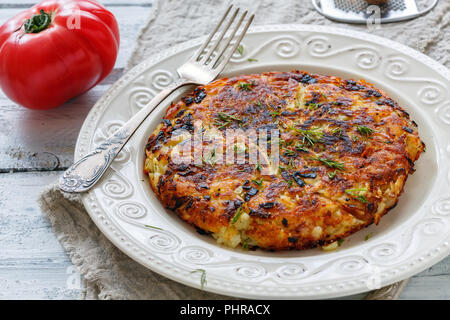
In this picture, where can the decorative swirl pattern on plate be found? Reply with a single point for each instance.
(433, 92)
(195, 255)
(139, 97)
(160, 79)
(443, 112)
(442, 207)
(384, 251)
(163, 241)
(285, 47)
(132, 210)
(367, 57)
(117, 187)
(250, 272)
(291, 272)
(352, 265)
(431, 227)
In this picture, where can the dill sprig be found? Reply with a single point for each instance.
(310, 136)
(245, 86)
(301, 147)
(365, 131)
(202, 277)
(336, 131)
(237, 215)
(152, 227)
(289, 152)
(224, 119)
(331, 163)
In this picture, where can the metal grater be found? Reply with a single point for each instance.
(358, 11)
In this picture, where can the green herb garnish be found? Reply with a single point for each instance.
(359, 197)
(368, 236)
(152, 227)
(258, 182)
(252, 60)
(258, 166)
(291, 163)
(340, 242)
(365, 131)
(312, 106)
(275, 114)
(331, 175)
(300, 147)
(224, 119)
(289, 152)
(237, 215)
(336, 132)
(240, 49)
(202, 277)
(331, 163)
(244, 244)
(310, 136)
(245, 86)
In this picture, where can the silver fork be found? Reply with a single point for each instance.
(203, 67)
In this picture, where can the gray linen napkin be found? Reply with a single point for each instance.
(110, 274)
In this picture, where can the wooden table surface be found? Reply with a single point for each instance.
(36, 146)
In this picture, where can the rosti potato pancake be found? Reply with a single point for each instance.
(345, 152)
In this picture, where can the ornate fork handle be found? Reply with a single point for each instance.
(84, 173)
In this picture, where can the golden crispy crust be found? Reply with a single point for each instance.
(346, 150)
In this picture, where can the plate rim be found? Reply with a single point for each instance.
(102, 103)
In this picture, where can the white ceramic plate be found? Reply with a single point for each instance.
(412, 237)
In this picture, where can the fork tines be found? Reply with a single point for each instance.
(213, 53)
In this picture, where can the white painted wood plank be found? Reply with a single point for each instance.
(33, 265)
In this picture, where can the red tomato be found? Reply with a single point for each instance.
(56, 50)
